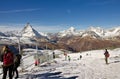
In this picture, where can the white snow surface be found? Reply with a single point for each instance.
(91, 66)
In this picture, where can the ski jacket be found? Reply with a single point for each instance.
(106, 54)
(17, 60)
(8, 59)
(37, 62)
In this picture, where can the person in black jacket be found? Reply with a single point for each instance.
(53, 55)
(16, 64)
(106, 56)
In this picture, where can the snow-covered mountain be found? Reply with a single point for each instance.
(43, 34)
(2, 34)
(99, 31)
(28, 31)
(27, 35)
(70, 39)
(95, 32)
(113, 32)
(12, 33)
(69, 32)
(90, 34)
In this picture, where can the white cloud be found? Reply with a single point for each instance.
(49, 29)
(9, 28)
(19, 27)
(22, 10)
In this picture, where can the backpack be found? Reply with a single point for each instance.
(17, 59)
(1, 57)
(8, 59)
(107, 55)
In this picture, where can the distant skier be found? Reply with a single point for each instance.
(80, 57)
(65, 54)
(87, 54)
(37, 62)
(53, 55)
(106, 56)
(69, 58)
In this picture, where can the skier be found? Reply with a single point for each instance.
(80, 57)
(53, 55)
(65, 54)
(17, 61)
(69, 58)
(8, 60)
(37, 62)
(106, 56)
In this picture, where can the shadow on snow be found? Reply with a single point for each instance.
(55, 75)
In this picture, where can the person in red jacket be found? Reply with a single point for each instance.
(106, 56)
(37, 62)
(8, 60)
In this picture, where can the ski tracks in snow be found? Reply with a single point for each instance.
(87, 68)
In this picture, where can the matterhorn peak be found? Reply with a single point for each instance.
(28, 27)
(28, 31)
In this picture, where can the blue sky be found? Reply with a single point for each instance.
(57, 15)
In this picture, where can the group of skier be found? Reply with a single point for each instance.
(106, 54)
(11, 62)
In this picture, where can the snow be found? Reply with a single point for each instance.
(91, 66)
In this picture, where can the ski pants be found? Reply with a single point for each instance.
(15, 70)
(5, 69)
(106, 60)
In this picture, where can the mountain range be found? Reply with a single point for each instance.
(70, 39)
(95, 32)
